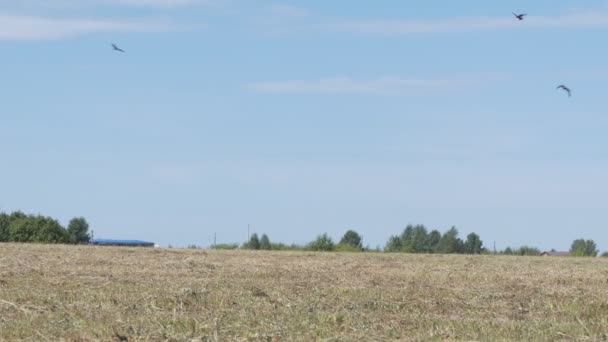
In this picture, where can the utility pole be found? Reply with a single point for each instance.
(494, 247)
(214, 239)
(248, 236)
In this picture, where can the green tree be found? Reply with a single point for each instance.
(48, 230)
(22, 230)
(433, 240)
(580, 247)
(17, 215)
(527, 251)
(353, 239)
(450, 243)
(605, 255)
(420, 240)
(4, 224)
(407, 239)
(323, 243)
(78, 231)
(393, 245)
(254, 242)
(473, 244)
(265, 243)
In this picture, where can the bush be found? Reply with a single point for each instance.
(323, 243)
(353, 239)
(527, 251)
(348, 248)
(226, 246)
(279, 246)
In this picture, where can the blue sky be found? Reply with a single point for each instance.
(301, 118)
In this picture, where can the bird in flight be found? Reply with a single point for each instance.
(566, 89)
(116, 48)
(519, 16)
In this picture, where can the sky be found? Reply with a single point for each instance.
(306, 117)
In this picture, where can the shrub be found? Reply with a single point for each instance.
(226, 246)
(323, 243)
(353, 239)
(348, 248)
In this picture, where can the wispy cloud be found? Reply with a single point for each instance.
(160, 3)
(346, 85)
(573, 20)
(21, 27)
(66, 4)
(288, 11)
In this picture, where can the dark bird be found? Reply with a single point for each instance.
(520, 16)
(564, 88)
(116, 48)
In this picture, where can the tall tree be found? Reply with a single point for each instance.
(265, 242)
(254, 242)
(394, 244)
(353, 239)
(407, 239)
(433, 240)
(4, 224)
(78, 230)
(450, 243)
(420, 240)
(473, 244)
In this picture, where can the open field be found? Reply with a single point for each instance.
(95, 293)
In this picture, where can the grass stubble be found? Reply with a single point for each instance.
(85, 293)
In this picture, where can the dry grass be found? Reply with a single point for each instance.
(96, 293)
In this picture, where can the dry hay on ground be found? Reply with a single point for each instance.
(103, 293)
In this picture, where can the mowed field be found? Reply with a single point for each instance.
(96, 293)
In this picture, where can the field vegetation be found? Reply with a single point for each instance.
(86, 293)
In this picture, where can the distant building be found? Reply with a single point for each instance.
(124, 243)
(554, 253)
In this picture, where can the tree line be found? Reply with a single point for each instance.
(19, 227)
(413, 239)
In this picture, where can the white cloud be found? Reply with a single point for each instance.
(574, 20)
(346, 85)
(21, 27)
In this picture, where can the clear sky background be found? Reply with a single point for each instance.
(305, 117)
